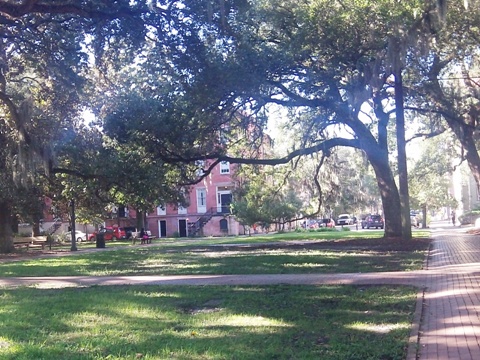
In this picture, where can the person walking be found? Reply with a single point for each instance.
(453, 217)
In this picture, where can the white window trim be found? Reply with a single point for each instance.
(201, 208)
(161, 210)
(224, 167)
(182, 210)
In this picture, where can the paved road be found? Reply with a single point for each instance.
(446, 324)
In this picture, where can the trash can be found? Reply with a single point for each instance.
(100, 240)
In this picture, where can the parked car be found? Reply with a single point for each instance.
(79, 236)
(327, 222)
(110, 233)
(311, 224)
(129, 231)
(371, 221)
(414, 220)
(345, 219)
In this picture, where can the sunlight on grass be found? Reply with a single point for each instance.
(89, 320)
(305, 265)
(206, 322)
(203, 257)
(383, 328)
(247, 321)
(159, 294)
(4, 342)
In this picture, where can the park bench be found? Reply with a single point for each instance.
(30, 242)
(136, 236)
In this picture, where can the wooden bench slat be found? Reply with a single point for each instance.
(30, 241)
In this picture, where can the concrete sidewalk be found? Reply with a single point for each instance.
(446, 324)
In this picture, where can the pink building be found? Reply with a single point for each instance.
(208, 212)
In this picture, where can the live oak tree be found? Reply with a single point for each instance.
(213, 60)
(269, 53)
(446, 91)
(48, 50)
(43, 82)
(295, 56)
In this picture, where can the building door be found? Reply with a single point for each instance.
(224, 226)
(162, 228)
(182, 228)
(224, 201)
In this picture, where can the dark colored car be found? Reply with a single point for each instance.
(371, 221)
(328, 222)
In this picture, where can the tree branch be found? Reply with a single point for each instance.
(17, 10)
(324, 146)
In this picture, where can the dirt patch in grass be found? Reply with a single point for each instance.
(23, 255)
(360, 244)
(378, 244)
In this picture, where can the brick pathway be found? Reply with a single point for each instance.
(450, 326)
(447, 321)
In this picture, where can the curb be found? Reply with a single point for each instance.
(414, 339)
(413, 350)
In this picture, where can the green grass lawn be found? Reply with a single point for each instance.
(215, 322)
(208, 322)
(253, 255)
(322, 234)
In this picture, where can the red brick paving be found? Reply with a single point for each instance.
(446, 327)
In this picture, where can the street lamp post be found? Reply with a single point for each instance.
(72, 217)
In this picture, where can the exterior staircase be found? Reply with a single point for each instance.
(196, 228)
(53, 228)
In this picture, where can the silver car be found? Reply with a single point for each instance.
(79, 235)
(344, 219)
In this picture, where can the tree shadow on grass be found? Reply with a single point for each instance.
(208, 322)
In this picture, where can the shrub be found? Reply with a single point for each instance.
(469, 217)
(323, 229)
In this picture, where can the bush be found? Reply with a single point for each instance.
(469, 217)
(322, 229)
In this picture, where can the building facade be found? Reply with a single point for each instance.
(464, 189)
(207, 213)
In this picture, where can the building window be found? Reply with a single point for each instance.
(201, 200)
(202, 197)
(224, 167)
(182, 210)
(161, 210)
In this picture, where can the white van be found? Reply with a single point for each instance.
(345, 219)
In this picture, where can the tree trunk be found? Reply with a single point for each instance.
(424, 215)
(390, 200)
(402, 157)
(377, 155)
(464, 133)
(378, 158)
(140, 220)
(36, 228)
(6, 239)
